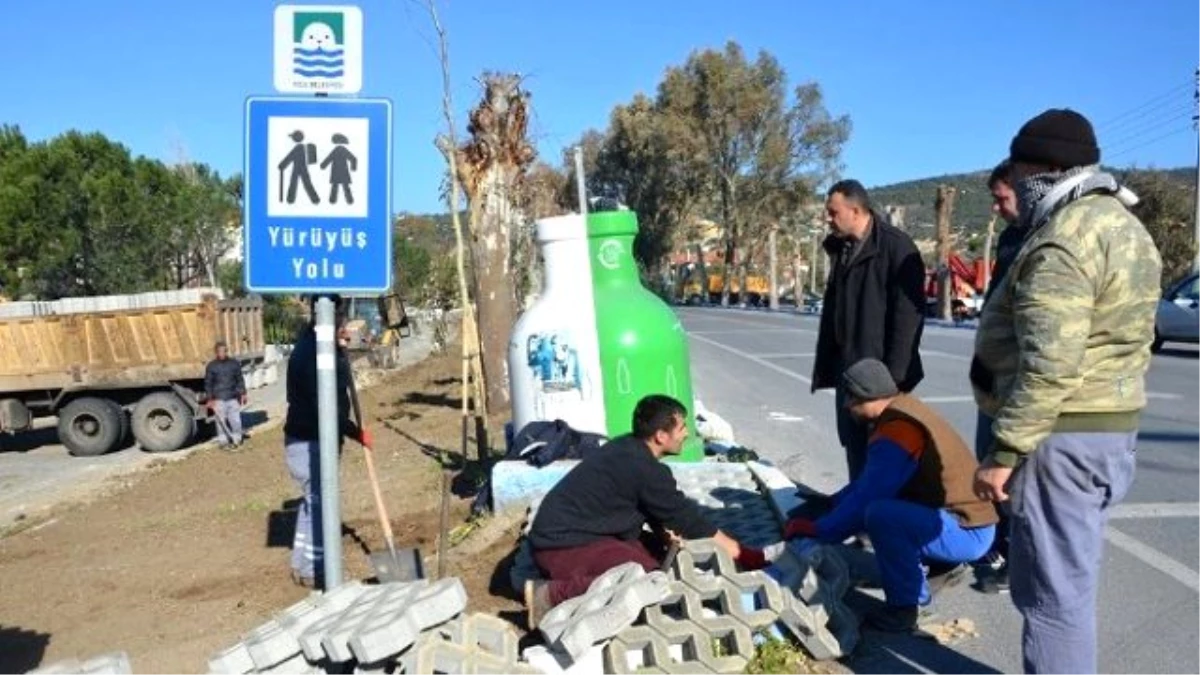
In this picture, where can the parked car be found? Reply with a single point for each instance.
(1178, 319)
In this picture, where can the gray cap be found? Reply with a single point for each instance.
(868, 380)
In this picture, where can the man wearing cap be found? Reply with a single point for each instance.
(225, 394)
(914, 496)
(1060, 360)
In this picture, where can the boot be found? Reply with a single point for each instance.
(537, 601)
(893, 619)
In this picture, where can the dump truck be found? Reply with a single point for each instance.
(109, 366)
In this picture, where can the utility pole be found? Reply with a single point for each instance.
(773, 263)
(812, 264)
(580, 183)
(1196, 221)
(945, 207)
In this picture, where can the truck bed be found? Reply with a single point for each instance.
(123, 341)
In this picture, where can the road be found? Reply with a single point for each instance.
(753, 368)
(37, 472)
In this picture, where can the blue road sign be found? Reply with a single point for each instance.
(318, 195)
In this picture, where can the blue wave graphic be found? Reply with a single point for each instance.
(318, 52)
(317, 73)
(318, 63)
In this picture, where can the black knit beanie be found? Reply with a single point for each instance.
(1059, 138)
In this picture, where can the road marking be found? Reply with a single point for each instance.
(743, 331)
(946, 399)
(784, 417)
(1155, 510)
(1159, 561)
(1162, 396)
(793, 355)
(760, 361)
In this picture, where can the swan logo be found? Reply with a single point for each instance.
(318, 48)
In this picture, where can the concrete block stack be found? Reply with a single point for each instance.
(702, 615)
(394, 627)
(116, 663)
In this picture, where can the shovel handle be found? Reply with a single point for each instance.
(383, 514)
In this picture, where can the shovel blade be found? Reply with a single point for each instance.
(404, 566)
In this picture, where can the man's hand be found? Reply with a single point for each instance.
(364, 437)
(799, 527)
(990, 481)
(210, 404)
(751, 558)
(242, 399)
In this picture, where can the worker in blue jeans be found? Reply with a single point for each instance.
(914, 498)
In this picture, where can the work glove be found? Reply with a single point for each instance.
(751, 558)
(799, 527)
(364, 437)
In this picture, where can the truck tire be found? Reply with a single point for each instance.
(162, 422)
(89, 426)
(123, 416)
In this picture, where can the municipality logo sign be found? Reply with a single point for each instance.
(318, 48)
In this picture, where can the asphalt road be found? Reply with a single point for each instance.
(753, 368)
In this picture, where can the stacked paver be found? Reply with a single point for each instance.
(116, 663)
(410, 627)
(703, 615)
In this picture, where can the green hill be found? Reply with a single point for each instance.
(972, 203)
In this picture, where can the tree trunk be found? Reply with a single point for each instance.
(812, 265)
(798, 280)
(945, 208)
(727, 271)
(493, 286)
(773, 264)
(702, 269)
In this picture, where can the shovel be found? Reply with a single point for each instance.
(391, 565)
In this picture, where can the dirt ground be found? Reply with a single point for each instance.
(179, 560)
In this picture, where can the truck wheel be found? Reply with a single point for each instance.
(123, 417)
(162, 422)
(89, 426)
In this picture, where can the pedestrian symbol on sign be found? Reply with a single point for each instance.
(319, 167)
(340, 163)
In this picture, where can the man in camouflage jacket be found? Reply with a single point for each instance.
(1060, 361)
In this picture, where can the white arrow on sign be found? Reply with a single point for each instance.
(784, 417)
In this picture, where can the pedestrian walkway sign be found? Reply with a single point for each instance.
(317, 195)
(318, 48)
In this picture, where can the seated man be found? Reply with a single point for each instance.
(591, 521)
(915, 498)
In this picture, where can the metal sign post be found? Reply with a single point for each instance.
(328, 433)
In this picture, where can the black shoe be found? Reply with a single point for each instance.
(893, 619)
(994, 582)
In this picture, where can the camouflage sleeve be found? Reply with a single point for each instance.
(1053, 300)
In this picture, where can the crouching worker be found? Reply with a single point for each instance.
(915, 499)
(592, 520)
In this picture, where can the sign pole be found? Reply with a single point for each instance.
(329, 433)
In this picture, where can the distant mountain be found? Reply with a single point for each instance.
(972, 203)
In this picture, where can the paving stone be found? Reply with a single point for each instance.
(700, 562)
(270, 644)
(490, 635)
(116, 663)
(234, 660)
(439, 656)
(613, 602)
(65, 666)
(373, 631)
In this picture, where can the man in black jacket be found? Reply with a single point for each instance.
(873, 308)
(302, 448)
(592, 520)
(225, 394)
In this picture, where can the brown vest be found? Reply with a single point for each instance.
(945, 474)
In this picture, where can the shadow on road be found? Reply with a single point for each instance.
(1179, 353)
(1168, 436)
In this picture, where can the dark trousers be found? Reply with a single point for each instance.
(1060, 501)
(983, 443)
(853, 436)
(572, 570)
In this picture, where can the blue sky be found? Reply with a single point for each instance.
(932, 87)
